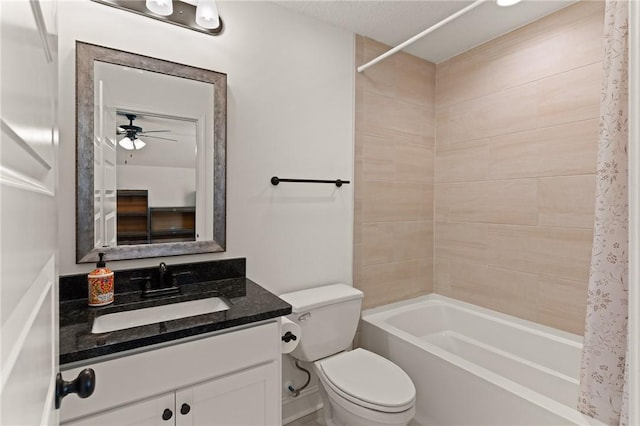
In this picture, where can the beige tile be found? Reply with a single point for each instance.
(513, 110)
(515, 155)
(466, 76)
(467, 202)
(429, 125)
(415, 79)
(413, 163)
(510, 292)
(549, 52)
(570, 96)
(442, 133)
(567, 201)
(512, 202)
(392, 282)
(556, 252)
(441, 202)
(377, 243)
(412, 240)
(464, 242)
(426, 202)
(441, 276)
(378, 158)
(391, 201)
(470, 120)
(380, 79)
(357, 262)
(569, 149)
(572, 13)
(563, 304)
(468, 161)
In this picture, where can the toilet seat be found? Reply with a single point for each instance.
(368, 380)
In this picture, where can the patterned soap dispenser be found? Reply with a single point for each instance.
(100, 284)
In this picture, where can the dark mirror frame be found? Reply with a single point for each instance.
(86, 54)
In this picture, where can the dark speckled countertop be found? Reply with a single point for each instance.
(248, 301)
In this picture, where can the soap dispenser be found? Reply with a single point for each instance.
(100, 284)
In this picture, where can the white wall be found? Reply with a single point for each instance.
(167, 186)
(290, 113)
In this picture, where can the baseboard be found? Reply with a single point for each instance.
(307, 402)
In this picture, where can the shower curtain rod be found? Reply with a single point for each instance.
(422, 34)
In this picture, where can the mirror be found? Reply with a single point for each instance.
(150, 156)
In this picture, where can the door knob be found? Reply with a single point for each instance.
(83, 385)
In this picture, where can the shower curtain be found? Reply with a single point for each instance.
(603, 375)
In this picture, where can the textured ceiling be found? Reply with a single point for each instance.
(394, 21)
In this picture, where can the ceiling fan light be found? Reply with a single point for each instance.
(126, 143)
(506, 3)
(138, 143)
(207, 14)
(160, 7)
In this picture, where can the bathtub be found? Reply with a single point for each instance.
(474, 366)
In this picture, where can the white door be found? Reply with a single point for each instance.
(239, 399)
(104, 194)
(28, 212)
(158, 411)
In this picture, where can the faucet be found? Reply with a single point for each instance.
(166, 285)
(163, 271)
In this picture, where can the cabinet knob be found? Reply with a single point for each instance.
(167, 414)
(185, 409)
(83, 385)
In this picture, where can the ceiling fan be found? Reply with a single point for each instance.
(131, 132)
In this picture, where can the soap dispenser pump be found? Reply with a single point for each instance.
(100, 284)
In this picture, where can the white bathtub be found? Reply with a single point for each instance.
(474, 366)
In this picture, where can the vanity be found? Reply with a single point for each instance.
(218, 368)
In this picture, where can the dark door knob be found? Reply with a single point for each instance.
(185, 409)
(83, 385)
(167, 414)
(288, 336)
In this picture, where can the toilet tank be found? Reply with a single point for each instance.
(328, 317)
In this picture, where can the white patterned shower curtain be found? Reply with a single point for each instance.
(604, 372)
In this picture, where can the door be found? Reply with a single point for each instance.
(158, 411)
(240, 399)
(104, 194)
(28, 212)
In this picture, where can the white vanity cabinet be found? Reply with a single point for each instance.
(227, 379)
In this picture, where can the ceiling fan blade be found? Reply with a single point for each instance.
(152, 131)
(158, 137)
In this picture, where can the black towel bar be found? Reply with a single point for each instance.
(338, 182)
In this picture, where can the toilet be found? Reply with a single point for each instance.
(358, 387)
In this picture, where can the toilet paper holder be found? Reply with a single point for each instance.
(289, 336)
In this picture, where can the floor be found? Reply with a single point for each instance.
(313, 419)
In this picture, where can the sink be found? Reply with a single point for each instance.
(144, 316)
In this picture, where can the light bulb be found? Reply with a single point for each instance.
(207, 14)
(126, 143)
(160, 7)
(138, 143)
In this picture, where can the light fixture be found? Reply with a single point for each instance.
(207, 14)
(197, 15)
(131, 143)
(505, 3)
(160, 7)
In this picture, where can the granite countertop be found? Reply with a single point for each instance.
(248, 301)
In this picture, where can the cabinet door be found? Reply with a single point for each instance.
(245, 398)
(150, 412)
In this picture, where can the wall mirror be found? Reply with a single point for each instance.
(150, 156)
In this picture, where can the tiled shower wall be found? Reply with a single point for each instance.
(393, 229)
(516, 143)
(516, 140)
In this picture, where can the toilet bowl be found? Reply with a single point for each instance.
(358, 387)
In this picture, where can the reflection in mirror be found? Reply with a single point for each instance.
(156, 140)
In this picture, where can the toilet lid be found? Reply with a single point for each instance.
(363, 376)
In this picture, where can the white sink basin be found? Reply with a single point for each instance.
(138, 317)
